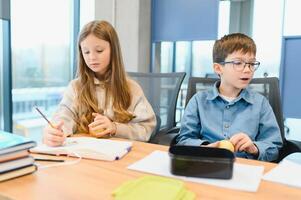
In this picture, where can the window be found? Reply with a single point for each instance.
(41, 60)
(202, 58)
(1, 75)
(183, 57)
(166, 64)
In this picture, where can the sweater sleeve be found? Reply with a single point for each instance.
(66, 110)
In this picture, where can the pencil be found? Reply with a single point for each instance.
(49, 160)
(44, 117)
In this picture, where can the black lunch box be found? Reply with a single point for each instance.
(204, 162)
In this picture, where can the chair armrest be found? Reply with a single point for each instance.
(290, 146)
(293, 146)
(165, 136)
(175, 129)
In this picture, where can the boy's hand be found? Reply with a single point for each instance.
(102, 126)
(54, 136)
(242, 142)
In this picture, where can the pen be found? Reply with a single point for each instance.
(49, 160)
(44, 117)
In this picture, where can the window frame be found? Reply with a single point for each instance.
(6, 118)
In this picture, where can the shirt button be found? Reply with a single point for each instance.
(226, 125)
(227, 107)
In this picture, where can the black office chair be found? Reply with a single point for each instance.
(161, 90)
(269, 87)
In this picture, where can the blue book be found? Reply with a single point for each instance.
(11, 142)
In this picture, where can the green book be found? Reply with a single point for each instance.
(153, 187)
(11, 142)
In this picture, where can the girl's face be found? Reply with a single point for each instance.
(96, 53)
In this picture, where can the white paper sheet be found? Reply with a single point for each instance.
(245, 177)
(286, 172)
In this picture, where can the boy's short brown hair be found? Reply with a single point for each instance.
(231, 43)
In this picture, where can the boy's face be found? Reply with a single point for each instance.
(236, 75)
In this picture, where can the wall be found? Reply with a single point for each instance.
(132, 21)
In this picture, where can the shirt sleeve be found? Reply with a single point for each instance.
(66, 111)
(141, 127)
(268, 140)
(191, 125)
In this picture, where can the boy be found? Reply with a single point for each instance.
(231, 111)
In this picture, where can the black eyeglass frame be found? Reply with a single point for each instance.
(253, 66)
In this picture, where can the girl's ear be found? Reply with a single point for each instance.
(218, 68)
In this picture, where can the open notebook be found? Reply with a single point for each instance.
(87, 147)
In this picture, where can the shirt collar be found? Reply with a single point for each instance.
(98, 82)
(213, 93)
(244, 94)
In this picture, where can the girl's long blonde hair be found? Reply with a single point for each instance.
(116, 86)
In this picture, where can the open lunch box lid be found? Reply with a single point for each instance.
(204, 162)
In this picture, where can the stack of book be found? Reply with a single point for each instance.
(15, 160)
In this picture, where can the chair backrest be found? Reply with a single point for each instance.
(268, 87)
(161, 90)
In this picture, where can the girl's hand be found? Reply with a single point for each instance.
(102, 126)
(54, 136)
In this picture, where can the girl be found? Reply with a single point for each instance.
(101, 101)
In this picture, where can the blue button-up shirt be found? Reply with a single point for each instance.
(210, 118)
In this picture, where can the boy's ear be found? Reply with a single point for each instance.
(218, 68)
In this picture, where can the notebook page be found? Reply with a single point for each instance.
(86, 147)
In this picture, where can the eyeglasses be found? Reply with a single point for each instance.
(239, 65)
